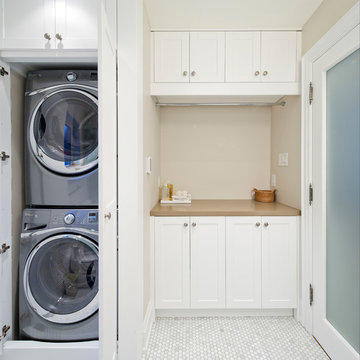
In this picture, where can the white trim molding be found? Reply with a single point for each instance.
(149, 320)
(347, 23)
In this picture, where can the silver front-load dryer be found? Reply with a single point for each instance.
(58, 290)
(61, 130)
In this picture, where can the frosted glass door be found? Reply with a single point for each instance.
(336, 205)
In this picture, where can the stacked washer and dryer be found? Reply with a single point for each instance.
(59, 242)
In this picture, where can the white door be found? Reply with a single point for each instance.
(243, 262)
(207, 57)
(336, 206)
(76, 24)
(242, 56)
(279, 262)
(278, 56)
(208, 262)
(171, 57)
(5, 206)
(28, 24)
(172, 263)
(107, 179)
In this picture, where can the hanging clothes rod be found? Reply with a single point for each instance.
(278, 103)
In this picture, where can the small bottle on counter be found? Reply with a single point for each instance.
(171, 191)
(165, 192)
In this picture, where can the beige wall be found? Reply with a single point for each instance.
(216, 152)
(151, 148)
(286, 138)
(326, 15)
(18, 192)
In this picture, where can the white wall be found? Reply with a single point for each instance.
(217, 152)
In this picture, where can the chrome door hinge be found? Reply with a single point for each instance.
(4, 156)
(311, 194)
(4, 331)
(3, 72)
(311, 294)
(311, 93)
(4, 248)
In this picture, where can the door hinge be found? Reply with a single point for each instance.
(4, 331)
(4, 248)
(311, 194)
(311, 294)
(3, 72)
(311, 93)
(4, 156)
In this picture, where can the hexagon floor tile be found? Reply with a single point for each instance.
(231, 338)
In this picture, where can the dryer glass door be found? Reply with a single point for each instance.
(63, 131)
(61, 278)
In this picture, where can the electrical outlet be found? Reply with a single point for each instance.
(283, 159)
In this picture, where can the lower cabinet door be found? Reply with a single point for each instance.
(207, 262)
(172, 263)
(279, 261)
(243, 262)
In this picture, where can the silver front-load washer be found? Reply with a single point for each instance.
(61, 130)
(58, 291)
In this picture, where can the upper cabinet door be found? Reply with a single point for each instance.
(28, 24)
(278, 56)
(208, 262)
(243, 56)
(76, 24)
(171, 57)
(207, 57)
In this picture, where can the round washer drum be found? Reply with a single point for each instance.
(63, 131)
(61, 278)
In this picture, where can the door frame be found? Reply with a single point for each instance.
(347, 23)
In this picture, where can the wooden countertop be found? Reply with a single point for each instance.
(224, 208)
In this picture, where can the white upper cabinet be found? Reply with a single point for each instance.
(243, 262)
(207, 57)
(49, 24)
(207, 262)
(171, 57)
(279, 262)
(243, 56)
(278, 56)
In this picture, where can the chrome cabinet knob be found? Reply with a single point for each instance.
(186, 224)
(193, 224)
(266, 224)
(257, 73)
(185, 73)
(193, 73)
(265, 73)
(257, 224)
(47, 36)
(58, 36)
(107, 216)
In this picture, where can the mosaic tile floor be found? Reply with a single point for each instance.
(231, 338)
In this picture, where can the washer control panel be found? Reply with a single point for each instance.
(69, 218)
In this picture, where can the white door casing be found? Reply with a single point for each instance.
(243, 262)
(207, 57)
(5, 207)
(207, 262)
(108, 244)
(332, 341)
(172, 262)
(279, 261)
(242, 56)
(171, 57)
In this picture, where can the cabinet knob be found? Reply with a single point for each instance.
(58, 36)
(107, 216)
(193, 224)
(257, 224)
(47, 36)
(193, 73)
(185, 73)
(257, 73)
(186, 224)
(266, 224)
(265, 73)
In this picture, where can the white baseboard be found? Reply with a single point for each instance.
(222, 312)
(148, 323)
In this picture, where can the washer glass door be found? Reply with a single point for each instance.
(63, 131)
(61, 278)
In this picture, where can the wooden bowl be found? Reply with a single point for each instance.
(266, 196)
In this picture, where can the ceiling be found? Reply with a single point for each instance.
(230, 14)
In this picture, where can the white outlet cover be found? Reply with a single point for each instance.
(283, 159)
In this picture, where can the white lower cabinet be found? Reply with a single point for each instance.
(207, 262)
(240, 262)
